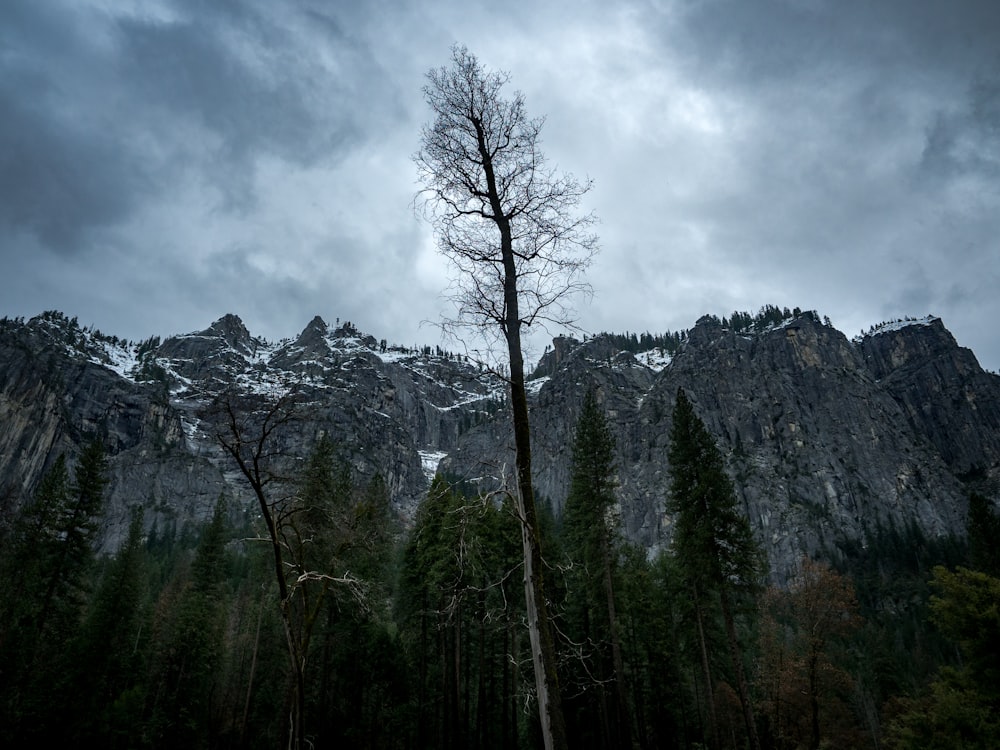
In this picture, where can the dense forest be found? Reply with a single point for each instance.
(319, 620)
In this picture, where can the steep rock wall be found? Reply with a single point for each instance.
(823, 455)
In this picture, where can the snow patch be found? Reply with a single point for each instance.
(393, 354)
(192, 429)
(534, 386)
(655, 359)
(469, 398)
(429, 461)
(179, 383)
(262, 352)
(120, 360)
(780, 325)
(899, 325)
(896, 325)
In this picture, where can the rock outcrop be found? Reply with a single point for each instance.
(824, 447)
(945, 395)
(829, 441)
(390, 412)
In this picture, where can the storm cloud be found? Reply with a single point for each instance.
(163, 163)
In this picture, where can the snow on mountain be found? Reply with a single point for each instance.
(898, 325)
(429, 461)
(798, 408)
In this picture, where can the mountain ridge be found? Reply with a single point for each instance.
(827, 438)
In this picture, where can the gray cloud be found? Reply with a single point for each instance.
(59, 180)
(243, 85)
(166, 163)
(61, 166)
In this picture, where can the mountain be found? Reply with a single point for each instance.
(391, 411)
(830, 441)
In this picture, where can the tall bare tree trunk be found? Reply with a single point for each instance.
(543, 650)
(543, 653)
(481, 165)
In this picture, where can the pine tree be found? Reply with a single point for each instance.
(107, 654)
(590, 533)
(456, 611)
(76, 524)
(48, 566)
(983, 532)
(961, 707)
(25, 562)
(189, 636)
(33, 545)
(712, 541)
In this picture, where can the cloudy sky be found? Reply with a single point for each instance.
(163, 162)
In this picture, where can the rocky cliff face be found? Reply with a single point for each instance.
(825, 447)
(945, 395)
(828, 440)
(389, 411)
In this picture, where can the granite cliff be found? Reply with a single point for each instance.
(828, 440)
(390, 411)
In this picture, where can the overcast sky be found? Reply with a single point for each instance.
(164, 162)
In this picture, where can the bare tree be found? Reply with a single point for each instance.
(508, 223)
(251, 434)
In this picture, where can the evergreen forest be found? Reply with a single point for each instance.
(324, 621)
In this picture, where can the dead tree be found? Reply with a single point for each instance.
(250, 434)
(508, 224)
